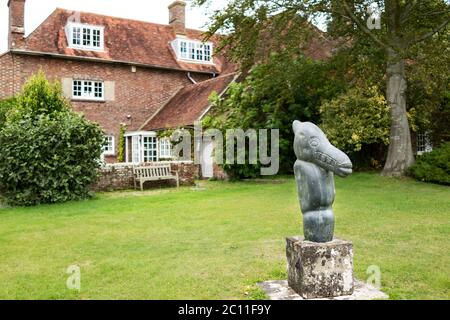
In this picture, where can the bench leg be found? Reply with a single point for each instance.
(178, 180)
(142, 185)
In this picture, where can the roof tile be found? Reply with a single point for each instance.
(177, 112)
(125, 40)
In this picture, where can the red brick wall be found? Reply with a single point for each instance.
(6, 76)
(137, 94)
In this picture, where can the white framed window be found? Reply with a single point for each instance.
(423, 143)
(85, 37)
(165, 148)
(88, 89)
(192, 50)
(150, 151)
(108, 147)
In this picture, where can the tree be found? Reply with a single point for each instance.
(271, 96)
(405, 26)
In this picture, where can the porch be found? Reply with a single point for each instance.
(145, 147)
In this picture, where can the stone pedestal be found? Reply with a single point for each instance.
(320, 270)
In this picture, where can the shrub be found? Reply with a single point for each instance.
(434, 166)
(50, 155)
(6, 106)
(356, 118)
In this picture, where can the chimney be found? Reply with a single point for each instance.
(177, 16)
(16, 34)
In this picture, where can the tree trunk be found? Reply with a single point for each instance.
(400, 155)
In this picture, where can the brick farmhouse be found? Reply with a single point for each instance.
(116, 72)
(120, 72)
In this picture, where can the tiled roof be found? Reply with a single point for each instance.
(188, 104)
(125, 41)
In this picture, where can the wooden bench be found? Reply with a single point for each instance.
(154, 172)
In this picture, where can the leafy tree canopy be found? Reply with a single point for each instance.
(408, 30)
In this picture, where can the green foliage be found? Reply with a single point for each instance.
(49, 153)
(434, 166)
(6, 107)
(412, 32)
(359, 116)
(271, 97)
(121, 152)
(39, 97)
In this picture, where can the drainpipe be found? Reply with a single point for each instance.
(190, 78)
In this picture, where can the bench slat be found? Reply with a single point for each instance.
(154, 172)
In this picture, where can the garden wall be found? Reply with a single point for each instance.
(119, 176)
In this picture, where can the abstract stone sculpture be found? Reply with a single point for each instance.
(317, 161)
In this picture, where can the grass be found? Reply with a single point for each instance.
(217, 243)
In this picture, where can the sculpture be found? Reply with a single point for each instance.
(317, 161)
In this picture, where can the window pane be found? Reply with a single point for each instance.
(191, 51)
(76, 36)
(199, 52)
(87, 89)
(98, 90)
(183, 49)
(86, 37)
(207, 52)
(164, 148)
(76, 91)
(150, 151)
(108, 147)
(96, 38)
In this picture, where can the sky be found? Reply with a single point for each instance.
(36, 11)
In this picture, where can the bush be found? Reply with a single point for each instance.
(5, 108)
(356, 118)
(47, 156)
(434, 166)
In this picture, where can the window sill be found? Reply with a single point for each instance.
(87, 100)
(87, 49)
(196, 62)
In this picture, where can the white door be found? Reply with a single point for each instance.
(207, 159)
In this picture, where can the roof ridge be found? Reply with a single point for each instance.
(122, 18)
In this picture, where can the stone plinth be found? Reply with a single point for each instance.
(320, 270)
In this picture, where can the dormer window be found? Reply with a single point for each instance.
(194, 51)
(85, 37)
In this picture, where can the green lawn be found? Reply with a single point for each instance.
(217, 243)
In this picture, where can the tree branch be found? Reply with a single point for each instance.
(364, 28)
(407, 11)
(428, 35)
